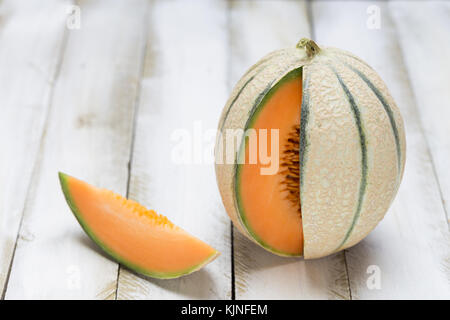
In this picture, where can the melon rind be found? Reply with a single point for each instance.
(350, 169)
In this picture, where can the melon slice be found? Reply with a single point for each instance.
(269, 204)
(140, 239)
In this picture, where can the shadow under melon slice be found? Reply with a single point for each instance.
(140, 239)
(269, 204)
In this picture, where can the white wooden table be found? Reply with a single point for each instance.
(102, 101)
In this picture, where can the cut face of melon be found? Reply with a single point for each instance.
(269, 204)
(140, 239)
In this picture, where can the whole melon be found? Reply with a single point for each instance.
(310, 151)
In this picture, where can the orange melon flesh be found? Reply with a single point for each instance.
(273, 220)
(141, 239)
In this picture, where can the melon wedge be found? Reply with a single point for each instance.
(141, 239)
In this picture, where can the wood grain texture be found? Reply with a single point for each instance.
(256, 29)
(423, 30)
(409, 249)
(182, 93)
(26, 81)
(89, 136)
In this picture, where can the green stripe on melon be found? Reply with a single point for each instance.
(363, 144)
(387, 108)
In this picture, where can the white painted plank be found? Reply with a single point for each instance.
(256, 29)
(424, 33)
(89, 136)
(26, 81)
(182, 93)
(410, 247)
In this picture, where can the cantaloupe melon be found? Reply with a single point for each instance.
(341, 151)
(140, 239)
